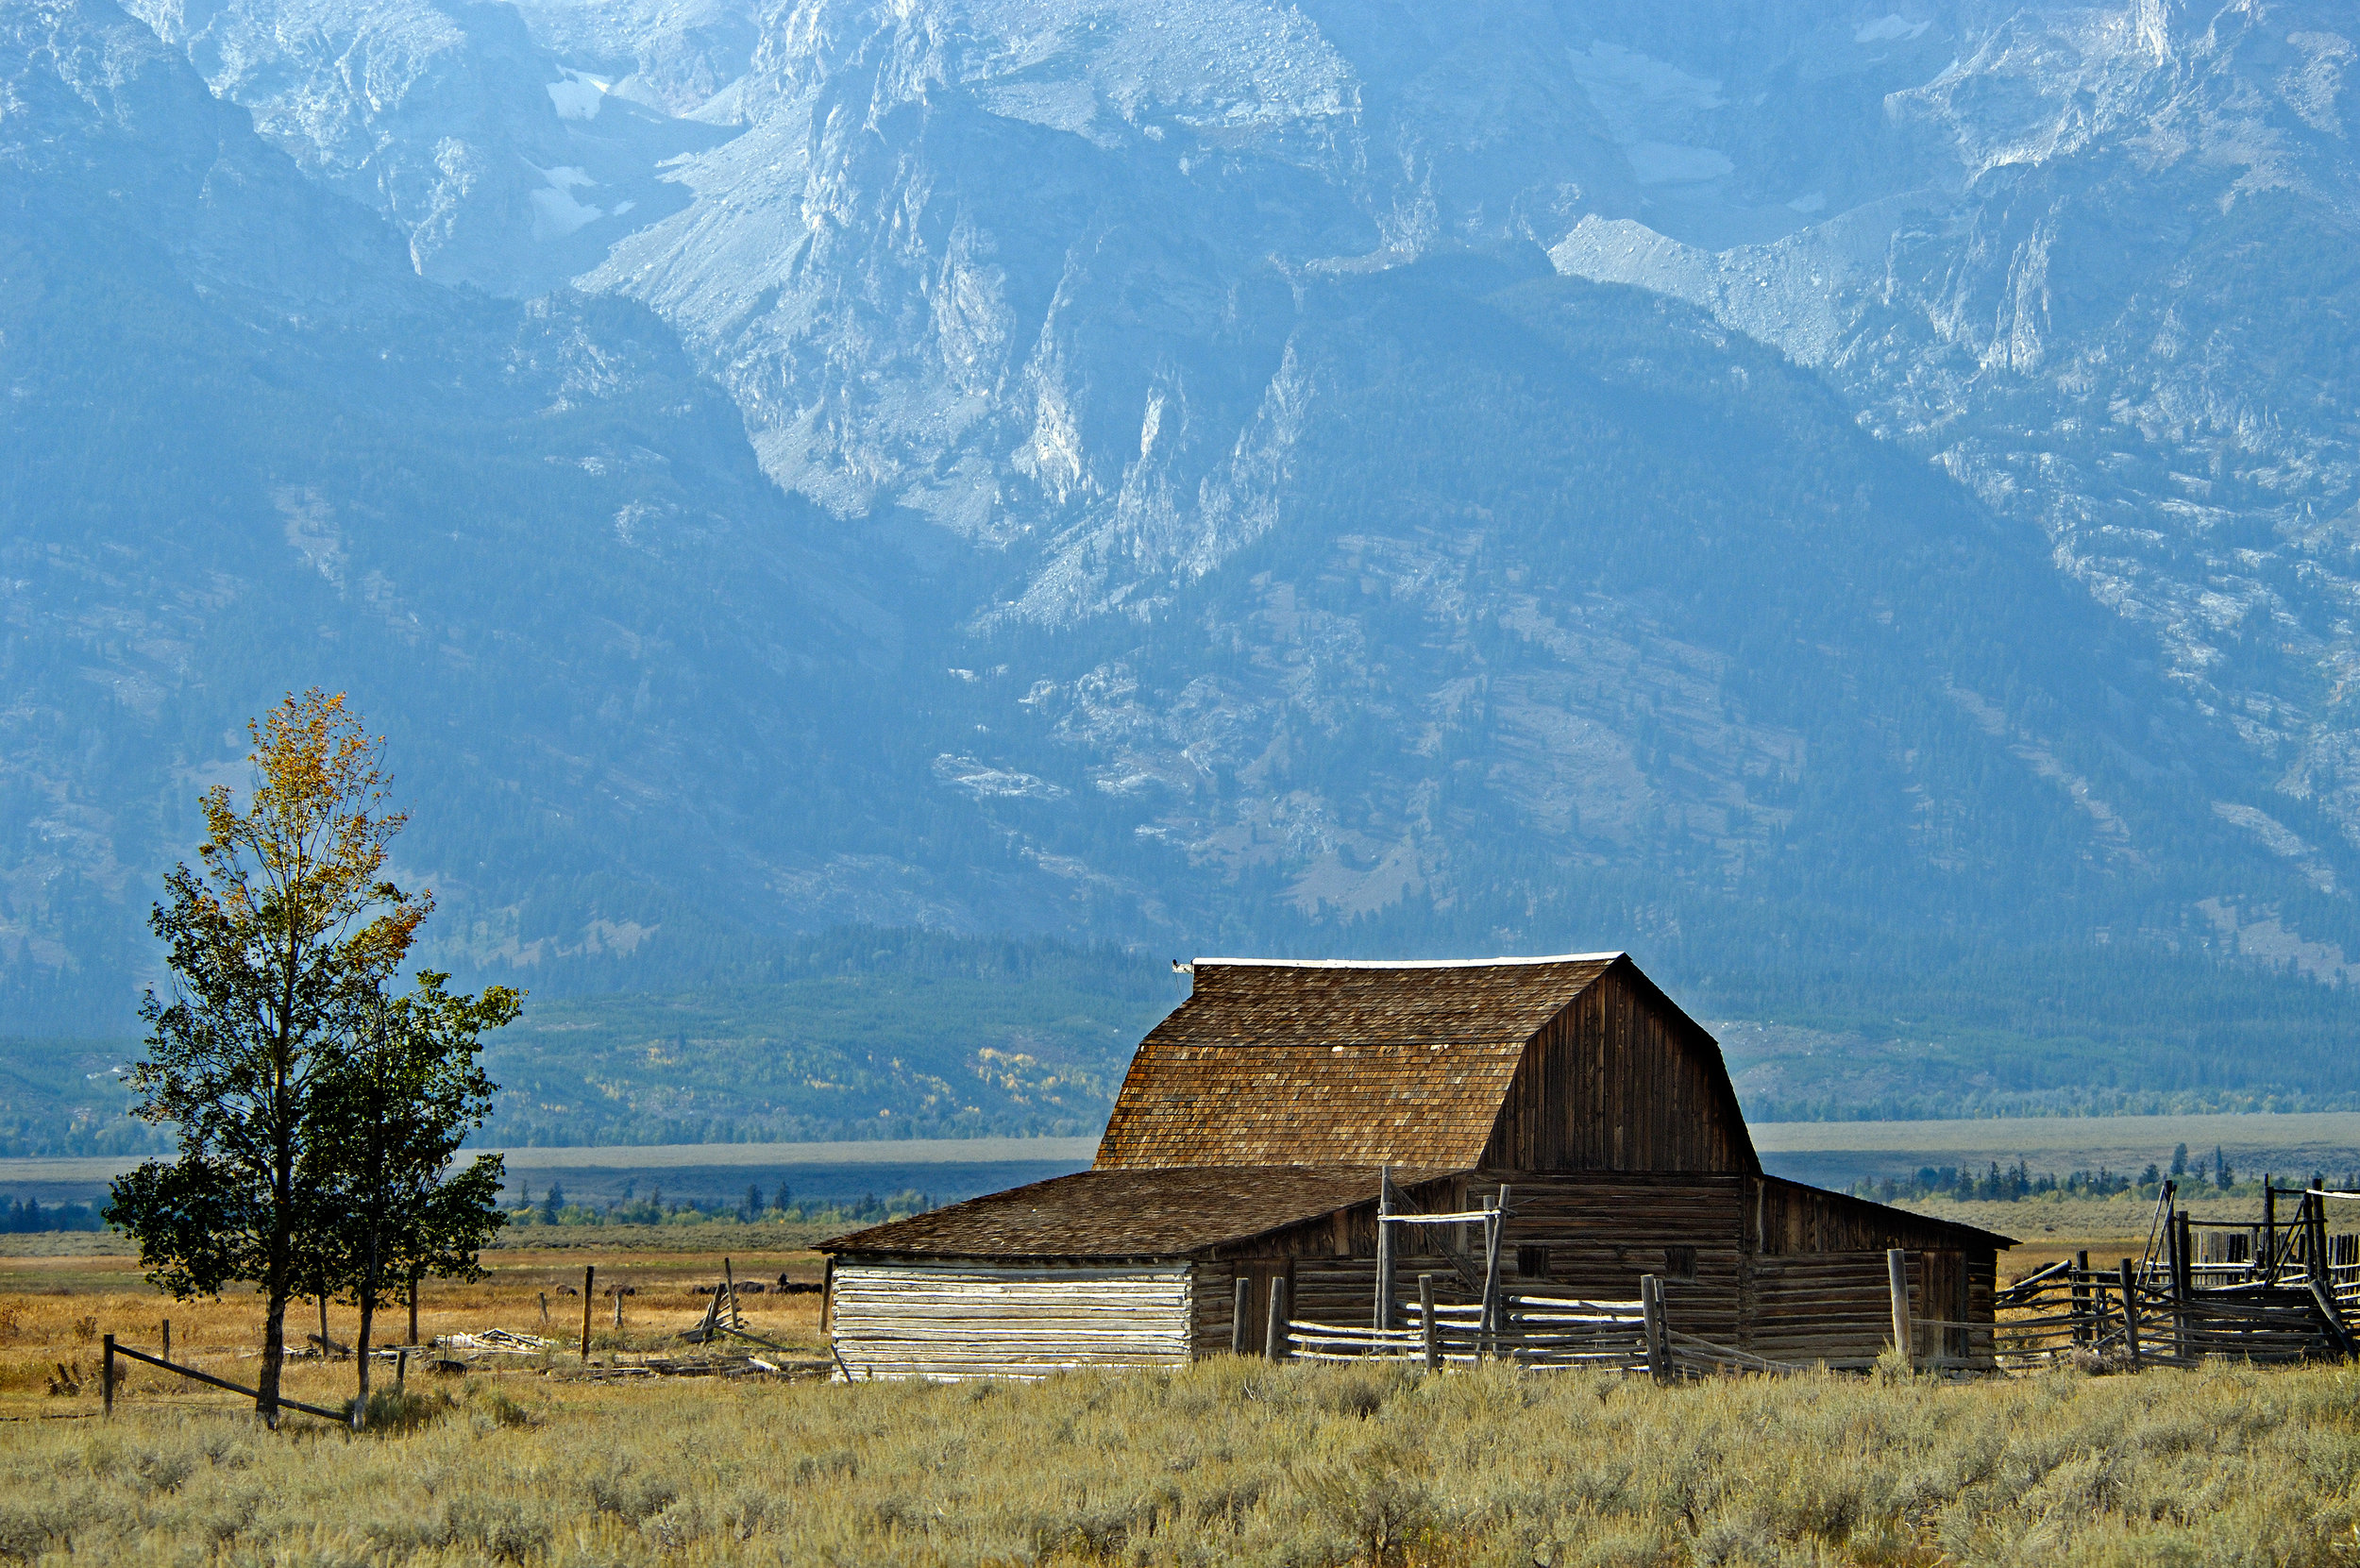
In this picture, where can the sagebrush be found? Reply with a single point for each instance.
(1235, 1463)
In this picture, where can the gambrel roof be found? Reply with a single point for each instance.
(1274, 1095)
(1414, 1063)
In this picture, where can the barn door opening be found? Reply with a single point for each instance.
(1258, 1273)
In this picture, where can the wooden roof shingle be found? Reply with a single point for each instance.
(1102, 1214)
(1336, 1063)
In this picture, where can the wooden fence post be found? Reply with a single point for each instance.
(1494, 1223)
(2336, 1332)
(106, 1378)
(1274, 1346)
(167, 1338)
(2183, 1288)
(2269, 1227)
(1384, 1314)
(2084, 1330)
(1239, 1314)
(2131, 1312)
(617, 1289)
(2171, 1277)
(1433, 1328)
(1651, 1317)
(1483, 1302)
(589, 1274)
(401, 1368)
(1897, 1282)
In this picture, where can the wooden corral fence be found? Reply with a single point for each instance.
(2069, 1312)
(2290, 1243)
(2285, 1289)
(1546, 1332)
(1531, 1331)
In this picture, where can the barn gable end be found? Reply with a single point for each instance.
(1621, 1079)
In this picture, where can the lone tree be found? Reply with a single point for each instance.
(280, 940)
(387, 1125)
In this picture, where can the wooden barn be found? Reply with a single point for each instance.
(1247, 1144)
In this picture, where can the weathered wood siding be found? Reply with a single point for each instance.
(1212, 1288)
(1595, 1235)
(1620, 1081)
(1215, 1285)
(1837, 1306)
(1821, 1306)
(970, 1319)
(1340, 1289)
(1586, 1235)
(1789, 1217)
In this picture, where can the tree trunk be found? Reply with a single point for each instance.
(368, 1303)
(274, 1353)
(361, 1358)
(279, 1289)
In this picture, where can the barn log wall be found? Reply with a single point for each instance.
(901, 1318)
(1602, 1233)
(1790, 1218)
(1620, 1080)
(1213, 1285)
(1337, 1289)
(1822, 1307)
(1597, 1234)
(1837, 1306)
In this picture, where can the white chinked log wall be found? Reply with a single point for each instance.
(964, 1319)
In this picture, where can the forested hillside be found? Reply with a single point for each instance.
(1128, 490)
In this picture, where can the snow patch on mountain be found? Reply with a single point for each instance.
(577, 96)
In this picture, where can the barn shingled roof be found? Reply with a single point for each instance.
(1125, 1213)
(1277, 1063)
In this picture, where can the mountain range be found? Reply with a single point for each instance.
(1854, 505)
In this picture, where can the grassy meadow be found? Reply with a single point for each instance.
(1228, 1462)
(517, 1461)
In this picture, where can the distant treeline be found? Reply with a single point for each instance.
(2013, 1184)
(18, 1216)
(555, 1208)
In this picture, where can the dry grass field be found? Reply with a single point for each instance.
(55, 1308)
(2049, 1225)
(1239, 1462)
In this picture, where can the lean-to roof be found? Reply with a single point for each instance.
(1126, 1213)
(1337, 1063)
